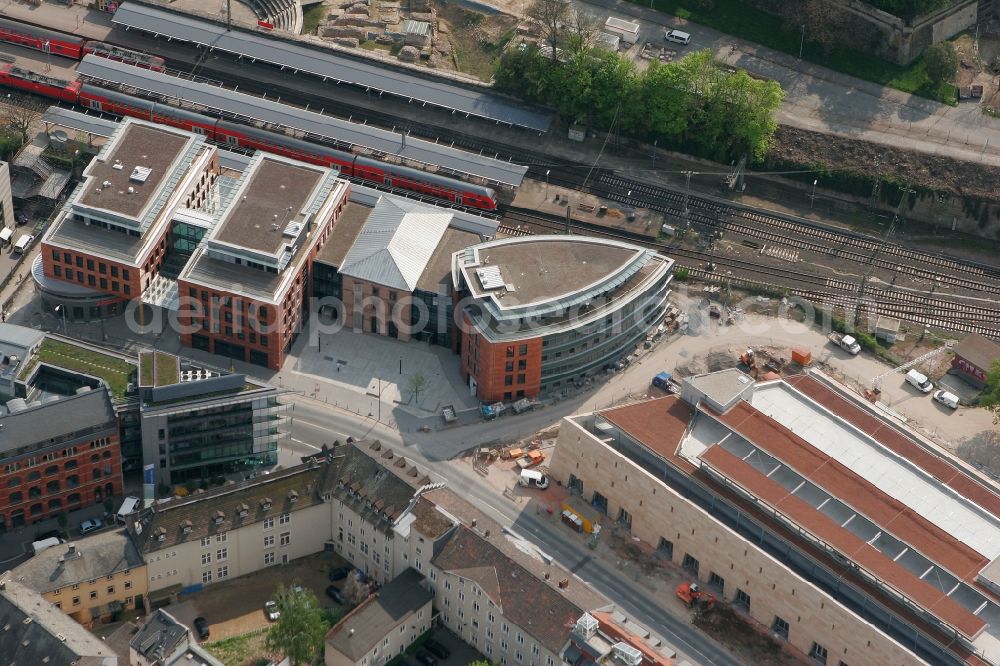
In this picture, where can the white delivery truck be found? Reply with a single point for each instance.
(41, 545)
(22, 244)
(626, 30)
(6, 233)
(919, 381)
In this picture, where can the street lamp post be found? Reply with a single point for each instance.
(547, 184)
(802, 42)
(62, 310)
(812, 197)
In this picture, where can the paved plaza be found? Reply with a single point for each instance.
(379, 366)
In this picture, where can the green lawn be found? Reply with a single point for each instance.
(111, 369)
(312, 17)
(166, 369)
(735, 18)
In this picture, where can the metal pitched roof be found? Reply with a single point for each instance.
(329, 65)
(84, 413)
(381, 613)
(396, 243)
(341, 132)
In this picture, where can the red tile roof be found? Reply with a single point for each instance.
(844, 541)
(936, 466)
(850, 488)
(659, 424)
(611, 629)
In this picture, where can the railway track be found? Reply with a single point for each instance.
(925, 309)
(943, 270)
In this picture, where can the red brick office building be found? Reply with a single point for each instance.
(538, 313)
(248, 286)
(58, 456)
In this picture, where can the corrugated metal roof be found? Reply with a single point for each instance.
(396, 243)
(329, 65)
(81, 122)
(411, 27)
(352, 134)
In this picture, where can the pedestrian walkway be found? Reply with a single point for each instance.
(77, 19)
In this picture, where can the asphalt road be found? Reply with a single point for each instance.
(313, 424)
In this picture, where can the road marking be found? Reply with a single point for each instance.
(311, 446)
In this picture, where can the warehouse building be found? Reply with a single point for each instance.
(841, 532)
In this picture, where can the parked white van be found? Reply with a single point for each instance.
(946, 399)
(919, 381)
(677, 36)
(531, 478)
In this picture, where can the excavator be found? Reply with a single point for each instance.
(692, 596)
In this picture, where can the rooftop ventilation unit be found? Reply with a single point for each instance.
(489, 277)
(140, 174)
(292, 229)
(626, 654)
(118, 166)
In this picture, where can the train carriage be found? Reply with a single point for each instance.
(41, 39)
(47, 86)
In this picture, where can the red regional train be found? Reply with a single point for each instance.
(245, 136)
(71, 46)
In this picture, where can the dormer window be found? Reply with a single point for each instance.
(186, 526)
(265, 504)
(293, 496)
(161, 534)
(218, 516)
(244, 510)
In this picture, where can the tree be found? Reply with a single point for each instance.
(416, 383)
(300, 629)
(355, 591)
(552, 15)
(21, 112)
(990, 397)
(583, 29)
(824, 21)
(941, 62)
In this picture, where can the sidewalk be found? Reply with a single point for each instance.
(76, 19)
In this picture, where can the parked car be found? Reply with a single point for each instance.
(336, 595)
(438, 650)
(271, 610)
(91, 525)
(201, 626)
(946, 399)
(425, 658)
(340, 573)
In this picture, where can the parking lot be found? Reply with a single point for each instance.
(236, 606)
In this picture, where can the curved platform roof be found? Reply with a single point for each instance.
(344, 134)
(328, 65)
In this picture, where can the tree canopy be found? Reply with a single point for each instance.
(693, 103)
(990, 397)
(941, 62)
(299, 630)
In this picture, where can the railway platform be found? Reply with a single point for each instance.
(76, 19)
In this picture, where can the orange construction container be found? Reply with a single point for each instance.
(801, 356)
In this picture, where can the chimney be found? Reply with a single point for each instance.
(71, 550)
(564, 583)
(350, 632)
(473, 522)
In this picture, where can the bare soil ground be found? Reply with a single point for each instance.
(930, 171)
(476, 38)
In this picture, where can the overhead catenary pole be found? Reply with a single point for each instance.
(229, 15)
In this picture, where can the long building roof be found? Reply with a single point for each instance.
(41, 422)
(328, 65)
(347, 135)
